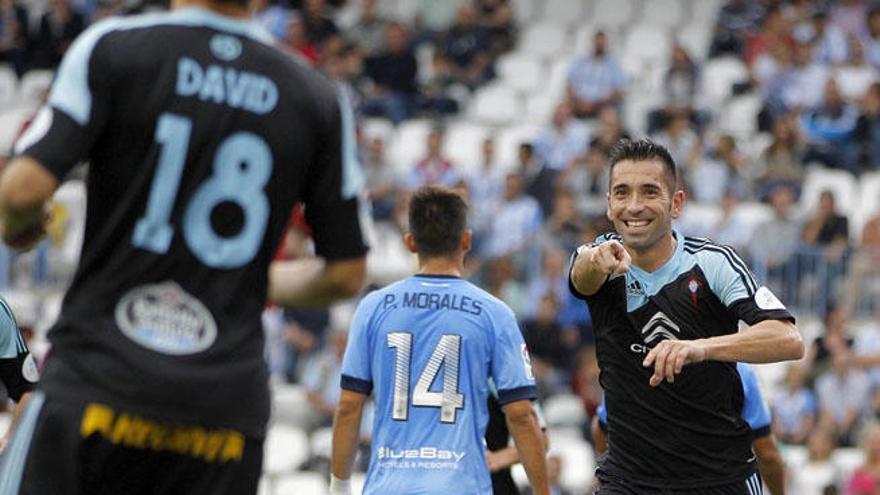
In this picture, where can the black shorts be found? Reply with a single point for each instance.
(617, 486)
(65, 449)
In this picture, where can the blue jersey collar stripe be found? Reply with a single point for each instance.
(522, 393)
(356, 384)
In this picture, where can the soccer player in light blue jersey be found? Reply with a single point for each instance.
(426, 347)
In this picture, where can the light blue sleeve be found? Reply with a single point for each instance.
(357, 373)
(11, 342)
(755, 411)
(727, 274)
(511, 364)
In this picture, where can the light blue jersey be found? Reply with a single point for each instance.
(427, 347)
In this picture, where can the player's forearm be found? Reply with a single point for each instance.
(769, 341)
(771, 465)
(586, 275)
(311, 282)
(25, 187)
(527, 435)
(346, 430)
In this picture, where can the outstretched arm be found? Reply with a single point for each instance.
(593, 265)
(312, 282)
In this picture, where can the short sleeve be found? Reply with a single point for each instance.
(11, 342)
(18, 370)
(733, 283)
(755, 410)
(511, 364)
(64, 130)
(335, 185)
(357, 372)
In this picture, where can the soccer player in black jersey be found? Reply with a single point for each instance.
(200, 137)
(665, 311)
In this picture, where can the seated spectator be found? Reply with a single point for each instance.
(321, 380)
(368, 33)
(872, 38)
(609, 129)
(680, 85)
(866, 479)
(516, 225)
(794, 408)
(819, 476)
(393, 73)
(500, 282)
(680, 139)
(849, 16)
(736, 22)
(58, 28)
(595, 80)
(829, 41)
(467, 44)
(782, 160)
(318, 24)
(434, 168)
(588, 181)
(723, 169)
(548, 346)
(775, 254)
(864, 265)
(731, 229)
(855, 76)
(844, 395)
(13, 35)
(297, 41)
(552, 278)
(773, 32)
(830, 130)
(381, 181)
(440, 92)
(835, 340)
(826, 229)
(496, 17)
(564, 140)
(539, 181)
(803, 86)
(867, 133)
(486, 185)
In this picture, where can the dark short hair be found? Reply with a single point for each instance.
(641, 151)
(437, 220)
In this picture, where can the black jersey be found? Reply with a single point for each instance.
(200, 136)
(690, 433)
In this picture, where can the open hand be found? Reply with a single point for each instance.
(669, 357)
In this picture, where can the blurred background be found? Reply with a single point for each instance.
(770, 108)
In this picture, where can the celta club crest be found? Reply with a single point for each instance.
(658, 328)
(693, 286)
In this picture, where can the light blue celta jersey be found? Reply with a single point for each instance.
(427, 346)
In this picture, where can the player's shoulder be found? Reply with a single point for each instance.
(708, 252)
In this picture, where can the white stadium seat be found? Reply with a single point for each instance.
(847, 460)
(564, 12)
(521, 71)
(285, 449)
(509, 138)
(526, 11)
(539, 107)
(545, 39)
(34, 85)
(812, 478)
(496, 105)
(409, 143)
(696, 38)
(740, 117)
(301, 484)
(647, 46)
(613, 13)
(577, 460)
(564, 410)
(668, 13)
(321, 442)
(287, 404)
(719, 75)
(8, 86)
(464, 144)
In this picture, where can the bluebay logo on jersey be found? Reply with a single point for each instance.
(659, 327)
(225, 47)
(420, 458)
(165, 318)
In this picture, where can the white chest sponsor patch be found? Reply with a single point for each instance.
(166, 319)
(765, 299)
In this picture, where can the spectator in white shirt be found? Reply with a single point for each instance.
(564, 140)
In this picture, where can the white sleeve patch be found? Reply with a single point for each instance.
(29, 369)
(765, 299)
(527, 362)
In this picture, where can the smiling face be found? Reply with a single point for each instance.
(642, 204)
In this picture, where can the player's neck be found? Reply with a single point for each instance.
(227, 9)
(651, 259)
(441, 266)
